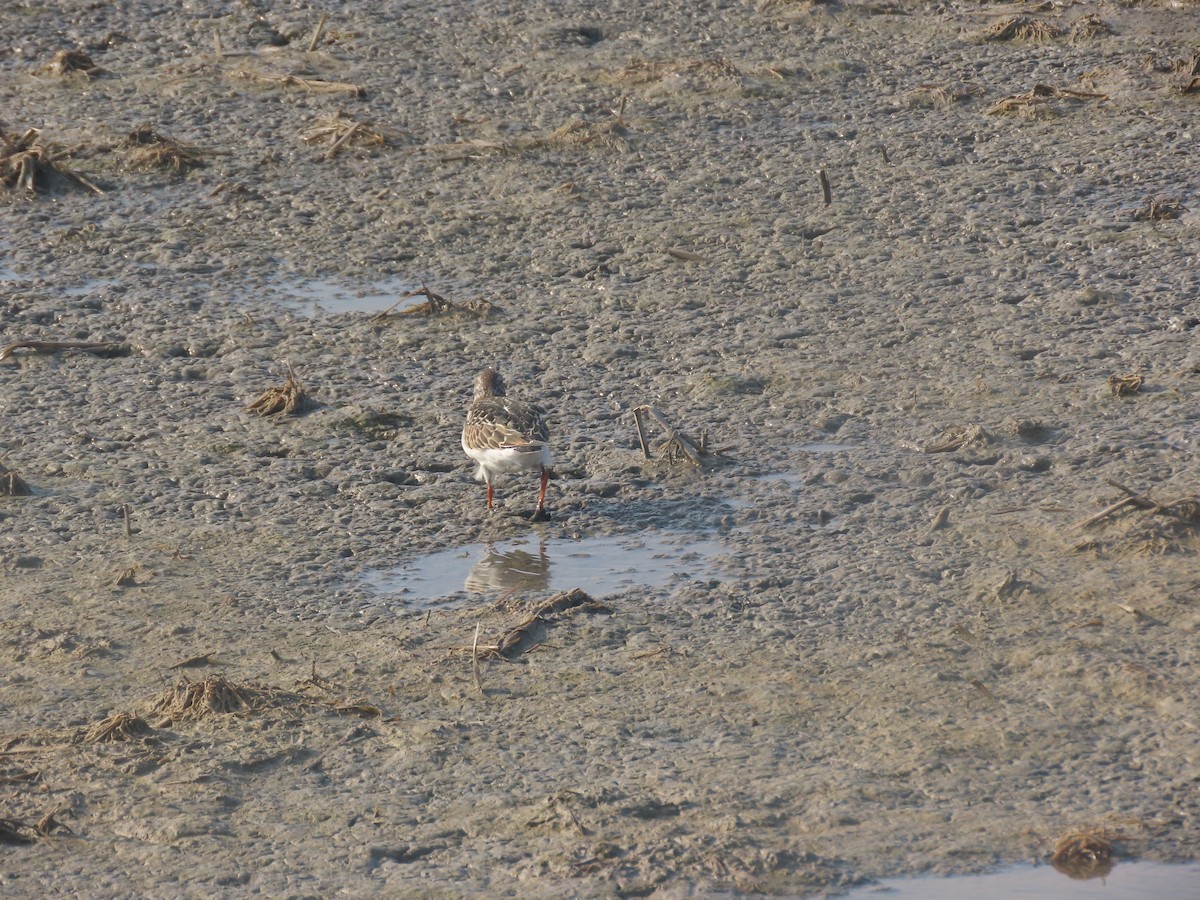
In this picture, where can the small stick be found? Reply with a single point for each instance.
(128, 526)
(475, 661)
(316, 38)
(883, 152)
(1107, 511)
(337, 145)
(217, 42)
(637, 418)
(825, 188)
(940, 520)
(407, 295)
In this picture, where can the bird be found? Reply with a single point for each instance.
(505, 435)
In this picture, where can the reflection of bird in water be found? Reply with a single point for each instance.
(499, 571)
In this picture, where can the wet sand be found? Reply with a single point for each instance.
(927, 652)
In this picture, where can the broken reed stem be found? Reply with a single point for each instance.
(128, 524)
(217, 42)
(316, 38)
(337, 145)
(637, 418)
(826, 190)
(475, 661)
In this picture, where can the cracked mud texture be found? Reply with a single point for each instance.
(914, 653)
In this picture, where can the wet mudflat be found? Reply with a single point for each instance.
(951, 413)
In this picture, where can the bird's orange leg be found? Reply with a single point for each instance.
(542, 493)
(489, 484)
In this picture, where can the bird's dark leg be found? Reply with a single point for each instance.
(540, 514)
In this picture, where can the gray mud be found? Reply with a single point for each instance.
(912, 656)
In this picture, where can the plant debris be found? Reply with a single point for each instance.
(286, 399)
(1085, 854)
(1185, 510)
(342, 131)
(522, 638)
(1088, 27)
(214, 694)
(120, 726)
(436, 305)
(312, 85)
(679, 447)
(12, 484)
(1023, 28)
(1126, 385)
(152, 150)
(27, 163)
(1039, 97)
(714, 71)
(1157, 210)
(945, 95)
(72, 62)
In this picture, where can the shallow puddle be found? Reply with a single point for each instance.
(319, 297)
(1126, 881)
(600, 565)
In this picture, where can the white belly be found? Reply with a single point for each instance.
(507, 462)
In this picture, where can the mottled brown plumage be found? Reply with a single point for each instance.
(506, 435)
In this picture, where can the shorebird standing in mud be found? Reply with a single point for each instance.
(505, 435)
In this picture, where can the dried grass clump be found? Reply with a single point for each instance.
(715, 71)
(1157, 210)
(1023, 28)
(312, 85)
(944, 96)
(679, 447)
(1126, 385)
(286, 399)
(1038, 99)
(71, 63)
(1085, 854)
(120, 726)
(436, 306)
(1088, 27)
(576, 132)
(26, 163)
(197, 699)
(151, 150)
(342, 132)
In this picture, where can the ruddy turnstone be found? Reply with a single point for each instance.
(505, 435)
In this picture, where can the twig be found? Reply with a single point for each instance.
(316, 38)
(679, 443)
(337, 145)
(475, 661)
(637, 418)
(826, 190)
(128, 525)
